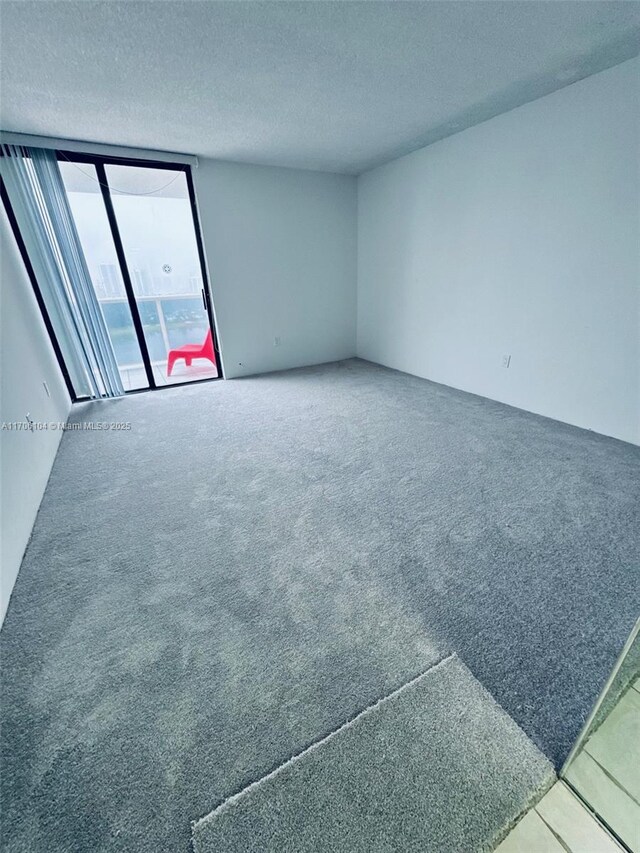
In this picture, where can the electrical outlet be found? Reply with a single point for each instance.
(506, 360)
(277, 341)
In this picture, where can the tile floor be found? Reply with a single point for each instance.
(606, 772)
(559, 823)
(135, 377)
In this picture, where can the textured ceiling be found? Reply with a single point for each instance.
(338, 86)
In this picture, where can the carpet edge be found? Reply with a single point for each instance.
(229, 801)
(547, 779)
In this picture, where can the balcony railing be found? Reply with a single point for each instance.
(168, 321)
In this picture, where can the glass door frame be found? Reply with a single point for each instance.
(99, 161)
(588, 729)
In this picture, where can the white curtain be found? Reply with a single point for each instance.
(39, 201)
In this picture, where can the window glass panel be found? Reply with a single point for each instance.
(157, 230)
(92, 224)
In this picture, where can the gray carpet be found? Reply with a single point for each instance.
(257, 561)
(438, 766)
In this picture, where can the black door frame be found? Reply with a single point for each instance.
(124, 272)
(102, 160)
(99, 161)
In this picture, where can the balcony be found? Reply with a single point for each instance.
(168, 322)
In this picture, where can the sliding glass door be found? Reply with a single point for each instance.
(137, 226)
(154, 219)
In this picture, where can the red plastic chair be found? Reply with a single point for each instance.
(191, 351)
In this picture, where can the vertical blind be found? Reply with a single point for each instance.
(40, 204)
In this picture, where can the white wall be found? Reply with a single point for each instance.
(281, 250)
(26, 361)
(518, 236)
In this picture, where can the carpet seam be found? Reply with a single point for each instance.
(294, 759)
